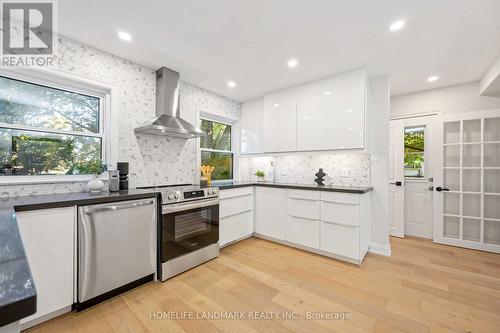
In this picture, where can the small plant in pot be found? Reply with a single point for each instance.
(260, 175)
(95, 185)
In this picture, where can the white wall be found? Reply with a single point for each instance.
(448, 100)
(377, 120)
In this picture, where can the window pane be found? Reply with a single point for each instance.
(36, 153)
(218, 135)
(222, 163)
(414, 153)
(33, 105)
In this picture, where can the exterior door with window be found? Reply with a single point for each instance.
(418, 143)
(467, 197)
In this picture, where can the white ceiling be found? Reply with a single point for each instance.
(249, 41)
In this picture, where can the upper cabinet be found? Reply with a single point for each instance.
(279, 127)
(321, 115)
(251, 126)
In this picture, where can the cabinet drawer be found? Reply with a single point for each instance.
(340, 213)
(236, 192)
(305, 208)
(341, 197)
(340, 239)
(235, 227)
(235, 205)
(303, 194)
(303, 231)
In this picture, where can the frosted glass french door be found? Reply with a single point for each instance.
(467, 197)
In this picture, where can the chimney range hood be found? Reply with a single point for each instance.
(167, 121)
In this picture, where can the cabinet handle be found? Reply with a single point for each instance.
(304, 218)
(341, 224)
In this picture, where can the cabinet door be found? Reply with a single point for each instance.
(346, 110)
(251, 126)
(48, 238)
(280, 122)
(270, 212)
(340, 239)
(312, 119)
(235, 227)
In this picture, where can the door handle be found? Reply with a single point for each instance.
(397, 183)
(439, 189)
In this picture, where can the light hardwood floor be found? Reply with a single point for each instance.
(422, 287)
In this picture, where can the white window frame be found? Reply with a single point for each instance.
(108, 122)
(234, 123)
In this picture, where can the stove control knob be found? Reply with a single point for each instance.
(171, 196)
(176, 196)
(214, 191)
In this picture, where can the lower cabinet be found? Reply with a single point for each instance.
(342, 240)
(236, 214)
(330, 223)
(49, 241)
(303, 221)
(270, 212)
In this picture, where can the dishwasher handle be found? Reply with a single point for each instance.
(98, 209)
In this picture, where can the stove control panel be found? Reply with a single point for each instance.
(194, 194)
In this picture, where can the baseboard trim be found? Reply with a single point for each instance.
(380, 249)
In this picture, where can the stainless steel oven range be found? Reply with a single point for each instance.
(189, 228)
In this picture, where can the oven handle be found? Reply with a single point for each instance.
(166, 209)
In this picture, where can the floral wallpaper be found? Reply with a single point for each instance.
(153, 160)
(341, 169)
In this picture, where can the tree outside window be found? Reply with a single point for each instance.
(47, 131)
(414, 152)
(216, 149)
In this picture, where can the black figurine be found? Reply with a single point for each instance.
(320, 175)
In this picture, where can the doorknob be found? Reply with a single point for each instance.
(439, 189)
(398, 183)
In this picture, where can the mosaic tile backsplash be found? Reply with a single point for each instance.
(153, 159)
(341, 169)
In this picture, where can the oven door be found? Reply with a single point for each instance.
(187, 227)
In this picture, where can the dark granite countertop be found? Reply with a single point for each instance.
(331, 188)
(17, 289)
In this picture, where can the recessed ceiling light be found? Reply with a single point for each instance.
(397, 25)
(432, 78)
(125, 36)
(350, 128)
(276, 105)
(327, 93)
(231, 84)
(348, 110)
(292, 63)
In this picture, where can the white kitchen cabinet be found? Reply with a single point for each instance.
(346, 110)
(322, 115)
(49, 241)
(236, 214)
(345, 225)
(303, 221)
(270, 212)
(279, 126)
(251, 126)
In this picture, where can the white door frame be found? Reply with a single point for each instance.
(396, 178)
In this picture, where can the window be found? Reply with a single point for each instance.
(415, 152)
(48, 131)
(217, 149)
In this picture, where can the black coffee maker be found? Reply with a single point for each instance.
(123, 170)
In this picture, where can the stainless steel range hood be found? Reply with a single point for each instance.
(167, 121)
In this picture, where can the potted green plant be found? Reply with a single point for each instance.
(260, 175)
(95, 185)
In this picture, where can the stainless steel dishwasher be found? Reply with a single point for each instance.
(116, 248)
